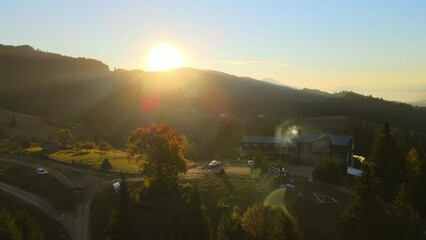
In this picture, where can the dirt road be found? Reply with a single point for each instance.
(27, 197)
(77, 222)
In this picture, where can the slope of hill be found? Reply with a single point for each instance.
(46, 84)
(25, 64)
(27, 126)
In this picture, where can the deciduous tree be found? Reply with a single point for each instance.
(64, 135)
(160, 151)
(269, 223)
(104, 146)
(89, 145)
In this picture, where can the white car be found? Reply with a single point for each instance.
(289, 187)
(116, 186)
(41, 171)
(250, 163)
(213, 163)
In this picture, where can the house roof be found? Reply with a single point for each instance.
(338, 140)
(284, 141)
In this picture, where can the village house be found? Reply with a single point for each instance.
(306, 149)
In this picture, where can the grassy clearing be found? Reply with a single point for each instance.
(52, 229)
(94, 159)
(45, 186)
(220, 193)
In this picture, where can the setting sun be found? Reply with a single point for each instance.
(164, 57)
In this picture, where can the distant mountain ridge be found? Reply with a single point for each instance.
(79, 89)
(421, 103)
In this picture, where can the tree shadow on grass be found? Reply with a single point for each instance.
(227, 182)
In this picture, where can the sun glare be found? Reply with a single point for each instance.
(164, 57)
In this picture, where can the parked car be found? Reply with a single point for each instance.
(213, 163)
(250, 163)
(289, 187)
(215, 167)
(41, 171)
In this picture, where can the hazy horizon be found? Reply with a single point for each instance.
(373, 48)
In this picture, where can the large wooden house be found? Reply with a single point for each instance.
(306, 149)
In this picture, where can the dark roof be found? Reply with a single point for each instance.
(284, 141)
(337, 140)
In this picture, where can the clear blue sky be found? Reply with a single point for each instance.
(372, 46)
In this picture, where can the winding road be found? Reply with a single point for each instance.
(77, 223)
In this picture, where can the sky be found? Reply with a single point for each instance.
(373, 47)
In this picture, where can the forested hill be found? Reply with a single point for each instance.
(48, 84)
(191, 92)
(51, 85)
(24, 63)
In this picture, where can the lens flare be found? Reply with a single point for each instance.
(277, 198)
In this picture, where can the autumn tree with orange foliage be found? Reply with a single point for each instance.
(159, 149)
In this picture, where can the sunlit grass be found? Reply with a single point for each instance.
(34, 149)
(94, 158)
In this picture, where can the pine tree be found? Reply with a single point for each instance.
(196, 225)
(416, 180)
(364, 217)
(13, 122)
(388, 164)
(405, 222)
(120, 225)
